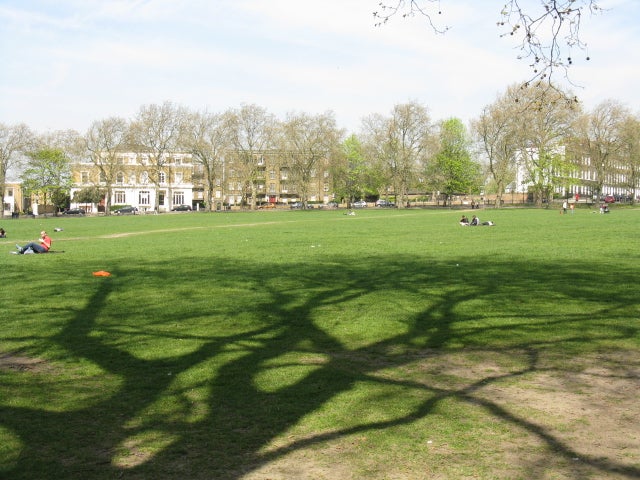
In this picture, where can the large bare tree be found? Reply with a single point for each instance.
(305, 142)
(14, 140)
(207, 137)
(155, 133)
(545, 122)
(630, 155)
(399, 145)
(105, 143)
(496, 135)
(600, 140)
(252, 134)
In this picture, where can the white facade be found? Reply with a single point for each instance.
(133, 185)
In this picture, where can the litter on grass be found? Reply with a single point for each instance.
(101, 273)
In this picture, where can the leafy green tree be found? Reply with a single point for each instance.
(452, 170)
(89, 195)
(353, 176)
(48, 175)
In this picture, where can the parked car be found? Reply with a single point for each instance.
(181, 208)
(74, 211)
(296, 205)
(359, 204)
(126, 211)
(382, 203)
(610, 199)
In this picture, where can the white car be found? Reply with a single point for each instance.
(359, 204)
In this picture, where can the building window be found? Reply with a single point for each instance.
(162, 178)
(84, 177)
(119, 198)
(161, 198)
(144, 177)
(119, 178)
(272, 188)
(103, 178)
(272, 174)
(9, 192)
(143, 197)
(178, 177)
(178, 198)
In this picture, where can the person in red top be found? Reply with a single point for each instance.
(42, 247)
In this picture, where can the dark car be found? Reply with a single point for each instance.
(384, 203)
(181, 208)
(74, 211)
(610, 199)
(126, 211)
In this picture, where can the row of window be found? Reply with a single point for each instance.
(144, 198)
(178, 177)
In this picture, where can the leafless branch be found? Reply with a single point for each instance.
(547, 36)
(410, 8)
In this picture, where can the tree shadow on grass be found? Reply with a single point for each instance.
(204, 412)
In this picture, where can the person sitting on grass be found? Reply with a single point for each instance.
(475, 221)
(464, 221)
(43, 245)
(3, 234)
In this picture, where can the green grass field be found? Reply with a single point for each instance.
(313, 345)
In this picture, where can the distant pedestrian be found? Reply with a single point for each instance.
(564, 207)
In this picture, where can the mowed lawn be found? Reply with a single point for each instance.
(393, 344)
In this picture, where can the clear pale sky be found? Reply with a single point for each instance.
(67, 63)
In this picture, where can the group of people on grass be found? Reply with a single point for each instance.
(475, 222)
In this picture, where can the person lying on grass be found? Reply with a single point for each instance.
(43, 245)
(475, 221)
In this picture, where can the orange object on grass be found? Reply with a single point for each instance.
(101, 273)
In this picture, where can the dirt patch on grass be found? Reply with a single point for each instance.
(20, 363)
(524, 419)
